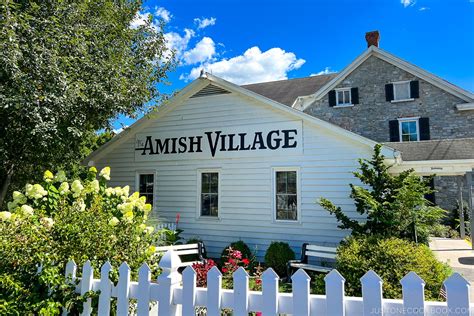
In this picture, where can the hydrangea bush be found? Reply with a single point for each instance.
(57, 220)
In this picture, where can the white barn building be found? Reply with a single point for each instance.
(238, 166)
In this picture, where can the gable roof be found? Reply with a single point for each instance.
(443, 149)
(304, 101)
(203, 82)
(287, 91)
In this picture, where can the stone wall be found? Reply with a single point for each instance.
(370, 117)
(447, 192)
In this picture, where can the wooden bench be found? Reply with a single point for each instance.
(189, 254)
(312, 251)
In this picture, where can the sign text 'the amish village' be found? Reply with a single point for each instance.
(225, 142)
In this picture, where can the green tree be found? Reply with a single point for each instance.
(393, 205)
(66, 69)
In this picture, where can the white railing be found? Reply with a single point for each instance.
(170, 226)
(178, 295)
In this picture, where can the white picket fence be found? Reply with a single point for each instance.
(177, 294)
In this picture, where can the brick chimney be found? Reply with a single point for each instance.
(372, 38)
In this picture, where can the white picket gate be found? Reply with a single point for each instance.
(177, 294)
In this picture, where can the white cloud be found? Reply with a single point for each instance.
(423, 9)
(139, 20)
(326, 71)
(204, 22)
(204, 50)
(253, 66)
(407, 3)
(177, 42)
(163, 13)
(120, 129)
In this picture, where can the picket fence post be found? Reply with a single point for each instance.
(189, 291)
(144, 279)
(70, 277)
(372, 294)
(335, 293)
(241, 292)
(457, 290)
(168, 280)
(86, 286)
(123, 290)
(300, 285)
(413, 288)
(214, 292)
(270, 292)
(105, 288)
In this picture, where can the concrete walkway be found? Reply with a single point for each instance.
(458, 254)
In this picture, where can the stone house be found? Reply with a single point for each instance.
(389, 100)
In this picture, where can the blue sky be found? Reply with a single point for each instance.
(254, 41)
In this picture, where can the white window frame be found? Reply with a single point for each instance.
(409, 119)
(137, 182)
(298, 195)
(199, 195)
(337, 98)
(398, 83)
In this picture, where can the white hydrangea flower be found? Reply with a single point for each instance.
(125, 207)
(60, 176)
(48, 222)
(12, 205)
(149, 229)
(77, 188)
(48, 176)
(19, 197)
(113, 221)
(105, 173)
(26, 210)
(109, 191)
(128, 217)
(94, 184)
(125, 190)
(63, 188)
(5, 216)
(35, 191)
(93, 169)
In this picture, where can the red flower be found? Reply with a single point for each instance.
(177, 219)
(231, 261)
(245, 261)
(224, 270)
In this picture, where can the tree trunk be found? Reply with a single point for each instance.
(5, 185)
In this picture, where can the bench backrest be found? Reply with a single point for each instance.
(316, 251)
(185, 252)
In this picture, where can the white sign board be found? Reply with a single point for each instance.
(282, 138)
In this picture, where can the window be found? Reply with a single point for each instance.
(343, 97)
(146, 184)
(401, 90)
(286, 195)
(409, 130)
(209, 193)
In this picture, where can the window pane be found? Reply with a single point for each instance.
(340, 97)
(413, 137)
(291, 188)
(402, 91)
(406, 138)
(412, 127)
(281, 182)
(282, 206)
(145, 186)
(205, 204)
(346, 96)
(205, 183)
(214, 185)
(214, 205)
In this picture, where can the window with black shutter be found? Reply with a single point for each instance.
(394, 131)
(414, 89)
(424, 124)
(355, 95)
(332, 98)
(389, 92)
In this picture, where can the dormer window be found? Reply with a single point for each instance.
(343, 97)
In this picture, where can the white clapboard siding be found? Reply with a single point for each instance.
(246, 199)
(178, 294)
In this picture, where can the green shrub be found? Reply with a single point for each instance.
(58, 220)
(277, 257)
(391, 259)
(240, 246)
(440, 230)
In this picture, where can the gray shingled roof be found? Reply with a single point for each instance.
(286, 91)
(445, 149)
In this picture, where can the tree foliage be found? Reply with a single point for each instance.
(393, 205)
(66, 69)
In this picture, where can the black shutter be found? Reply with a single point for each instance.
(332, 98)
(394, 131)
(431, 196)
(414, 89)
(424, 125)
(389, 92)
(355, 95)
